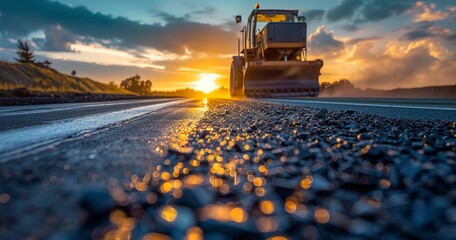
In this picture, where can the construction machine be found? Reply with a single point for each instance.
(273, 61)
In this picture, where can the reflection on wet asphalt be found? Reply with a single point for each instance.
(235, 170)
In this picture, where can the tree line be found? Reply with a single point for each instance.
(343, 83)
(136, 85)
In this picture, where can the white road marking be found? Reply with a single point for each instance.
(22, 110)
(360, 104)
(22, 137)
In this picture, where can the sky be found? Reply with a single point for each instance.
(381, 44)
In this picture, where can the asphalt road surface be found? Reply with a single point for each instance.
(229, 169)
(444, 109)
(28, 127)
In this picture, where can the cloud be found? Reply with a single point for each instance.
(59, 39)
(451, 37)
(376, 10)
(314, 15)
(345, 10)
(426, 29)
(453, 13)
(351, 27)
(419, 63)
(20, 18)
(168, 17)
(362, 50)
(360, 11)
(323, 43)
(428, 12)
(364, 39)
(205, 11)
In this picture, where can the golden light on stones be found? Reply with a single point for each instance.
(290, 206)
(193, 180)
(194, 163)
(237, 215)
(166, 187)
(277, 238)
(306, 183)
(259, 182)
(156, 236)
(4, 198)
(385, 184)
(165, 175)
(267, 207)
(194, 233)
(123, 224)
(224, 213)
(321, 215)
(267, 224)
(168, 213)
(177, 183)
(263, 170)
(141, 186)
(216, 182)
(260, 191)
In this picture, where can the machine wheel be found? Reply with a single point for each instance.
(236, 77)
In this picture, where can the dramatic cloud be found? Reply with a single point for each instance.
(420, 63)
(376, 10)
(362, 50)
(367, 11)
(323, 43)
(345, 10)
(59, 39)
(426, 29)
(428, 12)
(415, 46)
(314, 15)
(358, 40)
(20, 18)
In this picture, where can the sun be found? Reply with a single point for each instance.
(206, 82)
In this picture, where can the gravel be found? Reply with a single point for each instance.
(258, 170)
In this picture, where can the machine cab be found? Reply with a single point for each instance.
(275, 35)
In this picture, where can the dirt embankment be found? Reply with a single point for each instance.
(32, 84)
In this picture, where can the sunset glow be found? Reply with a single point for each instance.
(414, 40)
(206, 83)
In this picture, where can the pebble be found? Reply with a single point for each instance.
(267, 170)
(322, 113)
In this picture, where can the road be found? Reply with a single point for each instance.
(229, 169)
(26, 116)
(63, 150)
(432, 109)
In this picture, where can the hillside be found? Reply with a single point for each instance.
(42, 79)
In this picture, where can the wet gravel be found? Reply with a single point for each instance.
(256, 170)
(250, 170)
